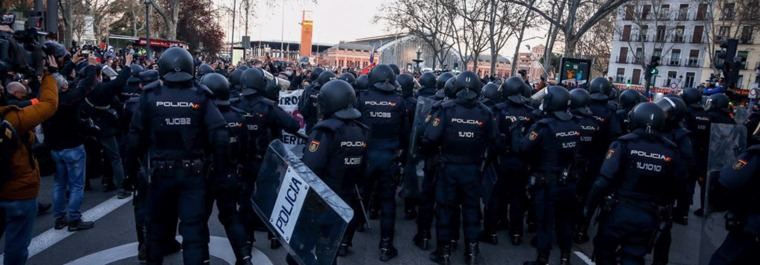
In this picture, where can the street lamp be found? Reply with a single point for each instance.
(147, 26)
(418, 60)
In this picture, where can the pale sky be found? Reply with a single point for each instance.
(334, 21)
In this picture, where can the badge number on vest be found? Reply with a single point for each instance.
(288, 206)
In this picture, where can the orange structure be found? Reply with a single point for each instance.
(306, 31)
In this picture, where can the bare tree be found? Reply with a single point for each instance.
(525, 22)
(468, 18)
(169, 12)
(572, 27)
(425, 20)
(502, 23)
(735, 19)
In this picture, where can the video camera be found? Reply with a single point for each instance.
(21, 51)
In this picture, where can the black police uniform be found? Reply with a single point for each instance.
(428, 83)
(640, 173)
(176, 123)
(552, 144)
(740, 183)
(307, 105)
(463, 129)
(697, 121)
(386, 114)
(590, 130)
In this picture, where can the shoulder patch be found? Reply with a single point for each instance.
(740, 164)
(533, 136)
(610, 153)
(436, 122)
(313, 146)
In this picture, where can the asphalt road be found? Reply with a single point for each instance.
(113, 240)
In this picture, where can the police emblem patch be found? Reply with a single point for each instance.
(740, 164)
(313, 146)
(533, 136)
(436, 122)
(427, 118)
(610, 153)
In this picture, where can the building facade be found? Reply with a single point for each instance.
(681, 34)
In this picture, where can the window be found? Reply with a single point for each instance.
(620, 76)
(626, 33)
(740, 81)
(657, 52)
(643, 31)
(675, 56)
(671, 78)
(664, 12)
(723, 32)
(639, 56)
(693, 58)
(689, 82)
(742, 58)
(702, 12)
(746, 37)
(679, 34)
(646, 11)
(697, 37)
(660, 34)
(728, 11)
(628, 12)
(683, 11)
(636, 77)
(623, 55)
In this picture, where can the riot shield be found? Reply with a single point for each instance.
(741, 114)
(299, 208)
(413, 170)
(726, 142)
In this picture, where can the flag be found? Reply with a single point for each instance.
(372, 57)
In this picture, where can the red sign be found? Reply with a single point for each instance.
(161, 43)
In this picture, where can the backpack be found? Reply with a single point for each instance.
(9, 142)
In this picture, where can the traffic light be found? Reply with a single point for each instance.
(652, 67)
(725, 56)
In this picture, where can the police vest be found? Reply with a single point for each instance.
(237, 132)
(559, 145)
(514, 122)
(259, 133)
(347, 153)
(648, 172)
(383, 113)
(465, 132)
(176, 118)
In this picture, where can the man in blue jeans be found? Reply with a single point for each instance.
(69, 183)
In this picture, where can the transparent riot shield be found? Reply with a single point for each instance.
(741, 114)
(299, 208)
(413, 170)
(727, 141)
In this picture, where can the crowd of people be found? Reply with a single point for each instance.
(181, 135)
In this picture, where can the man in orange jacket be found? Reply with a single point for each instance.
(18, 196)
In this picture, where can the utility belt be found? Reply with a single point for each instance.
(560, 178)
(176, 168)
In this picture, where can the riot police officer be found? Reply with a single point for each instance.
(204, 69)
(753, 123)
(349, 78)
(491, 95)
(697, 121)
(226, 193)
(132, 89)
(463, 129)
(174, 124)
(337, 149)
(235, 87)
(307, 105)
(264, 121)
(605, 114)
(386, 114)
(551, 144)
(675, 111)
(737, 187)
(636, 181)
(432, 164)
(362, 84)
(717, 110)
(427, 82)
(590, 128)
(628, 99)
(407, 84)
(514, 118)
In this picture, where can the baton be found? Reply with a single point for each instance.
(361, 204)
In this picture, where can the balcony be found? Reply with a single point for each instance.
(746, 40)
(674, 62)
(682, 15)
(677, 39)
(692, 62)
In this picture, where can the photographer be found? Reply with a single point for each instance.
(18, 193)
(64, 135)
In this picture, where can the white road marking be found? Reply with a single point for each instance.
(218, 247)
(51, 237)
(584, 258)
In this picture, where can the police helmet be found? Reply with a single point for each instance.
(629, 98)
(235, 78)
(600, 88)
(441, 81)
(149, 76)
(337, 97)
(395, 68)
(176, 65)
(692, 97)
(717, 102)
(204, 69)
(512, 89)
(674, 107)
(579, 101)
(323, 78)
(272, 89)
(252, 81)
(219, 85)
(468, 85)
(449, 89)
(362, 83)
(556, 101)
(491, 92)
(348, 77)
(406, 81)
(134, 73)
(647, 116)
(383, 78)
(427, 80)
(315, 74)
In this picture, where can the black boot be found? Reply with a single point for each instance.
(472, 253)
(442, 253)
(489, 238)
(422, 240)
(387, 251)
(274, 243)
(142, 253)
(542, 259)
(564, 258)
(516, 239)
(343, 249)
(243, 255)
